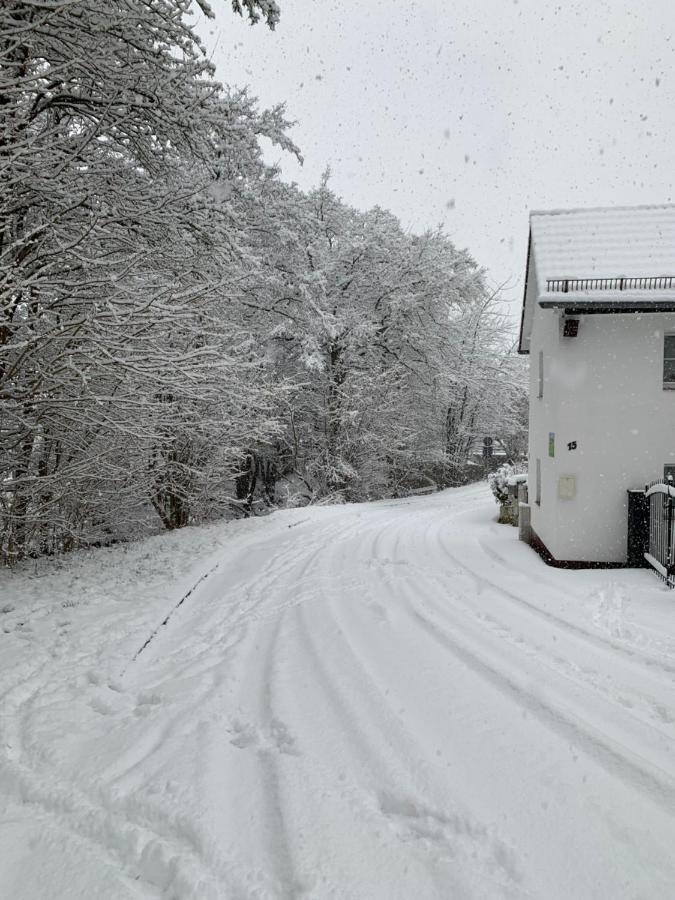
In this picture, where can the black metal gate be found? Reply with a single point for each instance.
(661, 552)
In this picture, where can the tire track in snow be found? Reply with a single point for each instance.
(649, 703)
(279, 567)
(365, 763)
(653, 704)
(633, 654)
(219, 622)
(101, 819)
(160, 857)
(342, 710)
(458, 834)
(224, 622)
(618, 761)
(138, 853)
(409, 782)
(259, 672)
(275, 844)
(621, 761)
(228, 630)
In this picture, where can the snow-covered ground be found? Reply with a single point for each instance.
(391, 700)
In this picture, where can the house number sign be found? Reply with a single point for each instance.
(572, 445)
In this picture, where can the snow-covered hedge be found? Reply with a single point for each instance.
(500, 480)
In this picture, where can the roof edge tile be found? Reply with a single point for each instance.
(596, 209)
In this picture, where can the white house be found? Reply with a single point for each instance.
(598, 322)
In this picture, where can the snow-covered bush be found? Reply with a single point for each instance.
(500, 480)
(505, 477)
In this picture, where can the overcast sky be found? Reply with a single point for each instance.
(469, 112)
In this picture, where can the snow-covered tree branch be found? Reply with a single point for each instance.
(181, 333)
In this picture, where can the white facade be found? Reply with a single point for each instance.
(601, 421)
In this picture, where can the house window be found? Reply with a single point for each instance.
(540, 393)
(669, 472)
(537, 496)
(669, 361)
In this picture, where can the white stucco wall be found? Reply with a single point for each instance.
(604, 390)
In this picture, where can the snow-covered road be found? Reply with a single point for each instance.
(391, 700)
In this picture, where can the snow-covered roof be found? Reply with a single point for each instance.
(612, 259)
(621, 241)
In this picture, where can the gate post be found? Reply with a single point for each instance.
(638, 529)
(669, 534)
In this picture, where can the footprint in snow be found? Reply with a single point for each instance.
(25, 632)
(378, 611)
(245, 736)
(100, 706)
(385, 562)
(145, 698)
(282, 738)
(449, 834)
(146, 702)
(276, 737)
(664, 714)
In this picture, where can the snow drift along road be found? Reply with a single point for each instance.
(391, 700)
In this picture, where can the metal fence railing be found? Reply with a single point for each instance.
(646, 283)
(661, 552)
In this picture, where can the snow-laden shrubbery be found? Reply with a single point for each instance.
(500, 479)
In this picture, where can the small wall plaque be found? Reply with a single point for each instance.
(567, 487)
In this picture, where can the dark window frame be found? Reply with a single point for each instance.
(669, 362)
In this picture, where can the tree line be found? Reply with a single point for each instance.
(185, 335)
